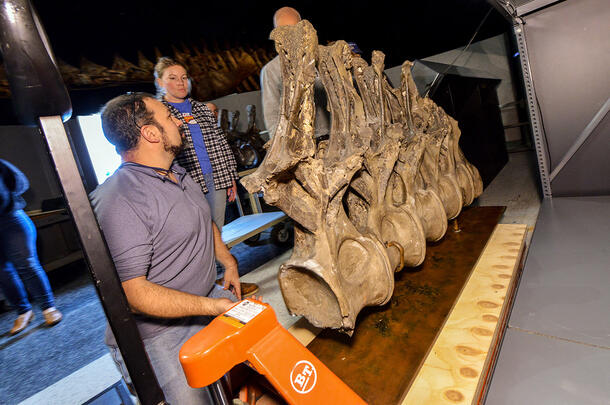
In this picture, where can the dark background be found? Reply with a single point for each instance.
(401, 29)
(98, 31)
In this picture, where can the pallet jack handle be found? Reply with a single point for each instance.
(249, 332)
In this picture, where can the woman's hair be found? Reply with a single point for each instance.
(163, 63)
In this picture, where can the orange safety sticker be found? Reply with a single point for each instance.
(232, 321)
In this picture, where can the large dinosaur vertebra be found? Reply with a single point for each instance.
(366, 200)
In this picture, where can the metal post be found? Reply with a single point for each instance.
(255, 203)
(537, 130)
(238, 202)
(101, 265)
(219, 394)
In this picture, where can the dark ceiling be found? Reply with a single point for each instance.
(99, 30)
(401, 29)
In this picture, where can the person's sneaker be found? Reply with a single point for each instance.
(52, 316)
(21, 322)
(247, 289)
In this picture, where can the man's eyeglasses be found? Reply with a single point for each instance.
(133, 108)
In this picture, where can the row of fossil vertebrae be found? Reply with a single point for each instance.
(366, 200)
(215, 73)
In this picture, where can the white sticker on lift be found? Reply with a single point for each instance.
(303, 377)
(245, 311)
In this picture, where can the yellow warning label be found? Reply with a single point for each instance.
(232, 321)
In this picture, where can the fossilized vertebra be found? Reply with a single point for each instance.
(365, 200)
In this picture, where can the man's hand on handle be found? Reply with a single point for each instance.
(231, 278)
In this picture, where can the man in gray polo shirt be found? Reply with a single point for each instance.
(163, 242)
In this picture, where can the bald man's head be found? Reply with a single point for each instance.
(286, 16)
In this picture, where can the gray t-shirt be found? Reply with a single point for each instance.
(271, 93)
(158, 229)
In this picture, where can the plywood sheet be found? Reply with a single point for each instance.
(458, 366)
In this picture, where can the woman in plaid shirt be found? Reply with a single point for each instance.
(206, 156)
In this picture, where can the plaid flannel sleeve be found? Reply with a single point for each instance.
(220, 154)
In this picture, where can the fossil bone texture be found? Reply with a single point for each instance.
(365, 200)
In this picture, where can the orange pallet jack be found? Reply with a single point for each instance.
(249, 332)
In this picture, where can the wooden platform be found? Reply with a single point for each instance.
(437, 340)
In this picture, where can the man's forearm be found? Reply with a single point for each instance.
(154, 300)
(221, 251)
(231, 277)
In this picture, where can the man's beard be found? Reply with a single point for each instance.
(173, 149)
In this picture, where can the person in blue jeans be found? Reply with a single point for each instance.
(20, 269)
